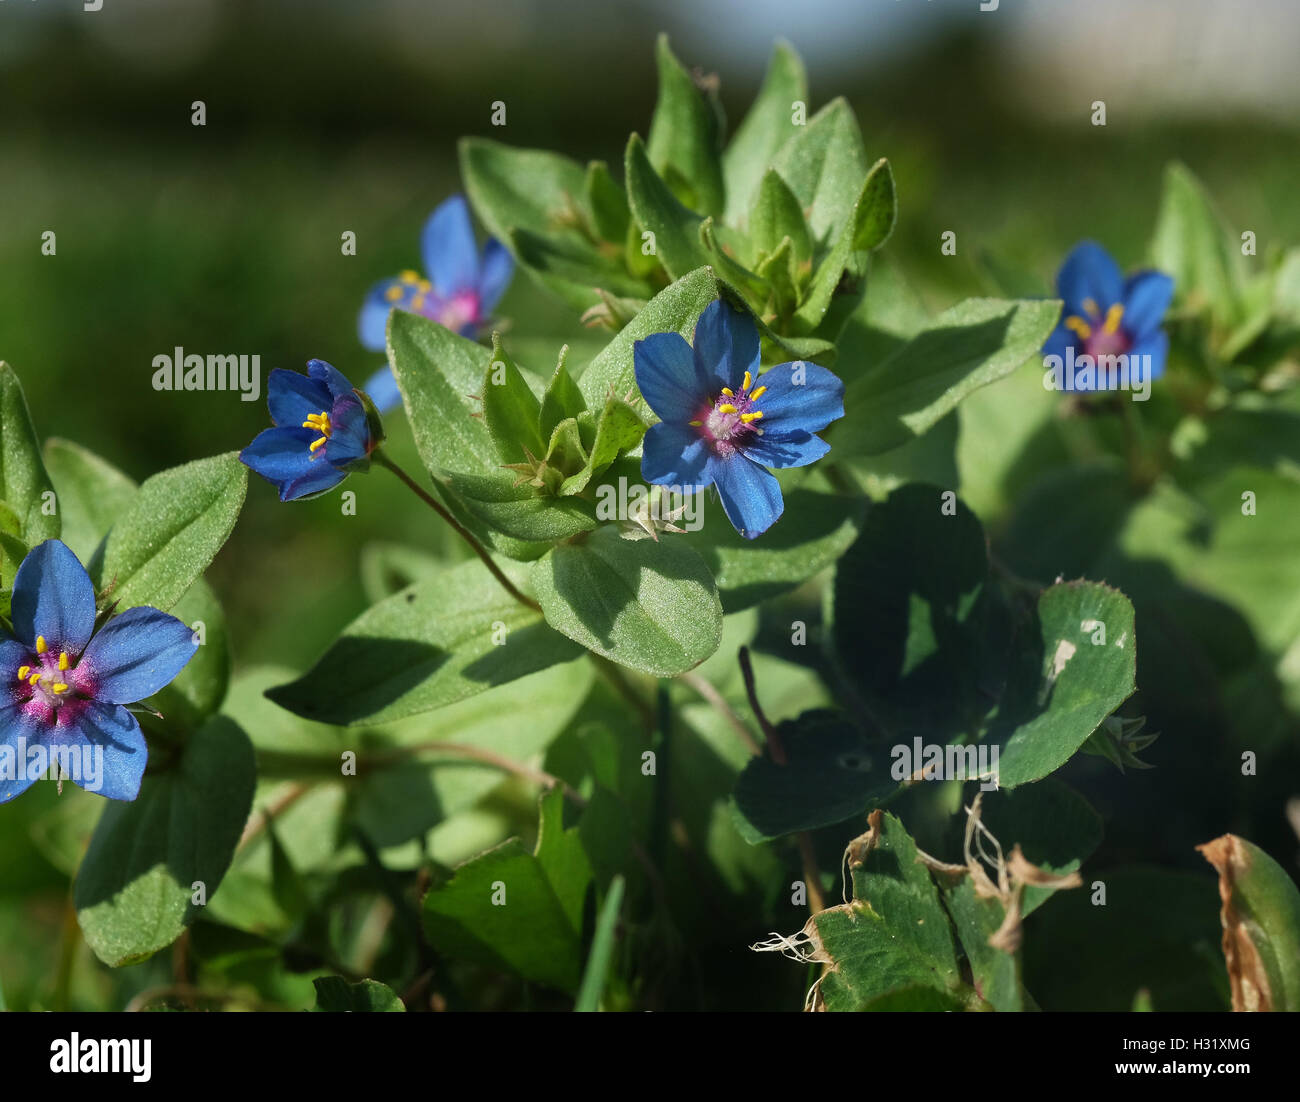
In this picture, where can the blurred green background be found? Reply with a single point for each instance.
(329, 117)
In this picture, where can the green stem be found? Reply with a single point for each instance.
(460, 530)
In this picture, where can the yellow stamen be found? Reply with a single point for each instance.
(758, 394)
(41, 645)
(1090, 304)
(23, 671)
(34, 678)
(747, 417)
(728, 392)
(417, 303)
(409, 276)
(726, 407)
(697, 424)
(318, 443)
(63, 660)
(424, 286)
(1076, 324)
(59, 687)
(1113, 316)
(393, 293)
(748, 379)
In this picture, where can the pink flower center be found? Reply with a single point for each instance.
(49, 685)
(458, 313)
(731, 419)
(1100, 336)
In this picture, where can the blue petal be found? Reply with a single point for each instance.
(136, 654)
(13, 726)
(751, 496)
(665, 374)
(350, 433)
(291, 396)
(372, 325)
(53, 597)
(381, 388)
(796, 449)
(726, 346)
(1155, 345)
(331, 377)
(1146, 298)
(322, 476)
(280, 455)
(498, 270)
(1056, 345)
(12, 655)
(125, 753)
(1089, 272)
(449, 250)
(800, 397)
(675, 455)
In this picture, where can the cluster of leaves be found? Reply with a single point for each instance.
(883, 610)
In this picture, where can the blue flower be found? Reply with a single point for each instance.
(461, 290)
(1108, 315)
(66, 684)
(323, 429)
(721, 423)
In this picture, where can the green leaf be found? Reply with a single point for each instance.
(885, 320)
(135, 886)
(994, 971)
(335, 995)
(198, 690)
(767, 126)
(731, 270)
(893, 935)
(843, 271)
(510, 408)
(973, 344)
(1083, 669)
(824, 163)
(685, 137)
(1261, 925)
(674, 309)
(596, 974)
(832, 774)
(23, 481)
(815, 530)
(437, 371)
(619, 430)
(535, 202)
(1055, 827)
(92, 494)
(676, 228)
(517, 911)
(519, 511)
(651, 606)
(1191, 244)
(172, 530)
(562, 398)
(608, 203)
(445, 638)
(776, 215)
